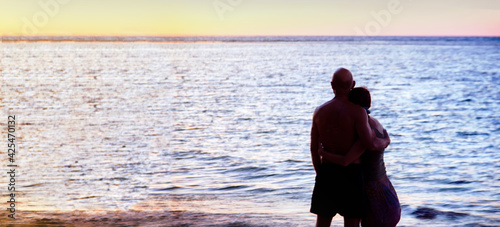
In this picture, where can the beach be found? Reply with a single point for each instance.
(131, 218)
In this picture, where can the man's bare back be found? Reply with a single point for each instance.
(338, 123)
(335, 122)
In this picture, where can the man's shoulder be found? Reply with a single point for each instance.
(323, 106)
(334, 105)
(355, 108)
(356, 111)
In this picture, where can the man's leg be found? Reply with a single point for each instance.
(351, 222)
(323, 221)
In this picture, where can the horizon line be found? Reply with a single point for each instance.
(209, 38)
(182, 36)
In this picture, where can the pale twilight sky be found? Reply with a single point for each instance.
(250, 17)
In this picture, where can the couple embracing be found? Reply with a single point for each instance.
(347, 147)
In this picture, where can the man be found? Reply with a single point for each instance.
(337, 125)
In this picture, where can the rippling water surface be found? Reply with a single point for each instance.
(223, 127)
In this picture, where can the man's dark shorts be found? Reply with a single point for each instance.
(339, 190)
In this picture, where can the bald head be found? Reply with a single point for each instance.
(342, 80)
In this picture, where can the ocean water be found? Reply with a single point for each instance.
(222, 126)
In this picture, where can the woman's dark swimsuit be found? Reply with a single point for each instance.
(383, 204)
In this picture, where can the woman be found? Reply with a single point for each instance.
(383, 204)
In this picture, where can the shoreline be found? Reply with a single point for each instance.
(141, 218)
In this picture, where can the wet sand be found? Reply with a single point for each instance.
(140, 218)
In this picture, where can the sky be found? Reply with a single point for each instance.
(250, 17)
